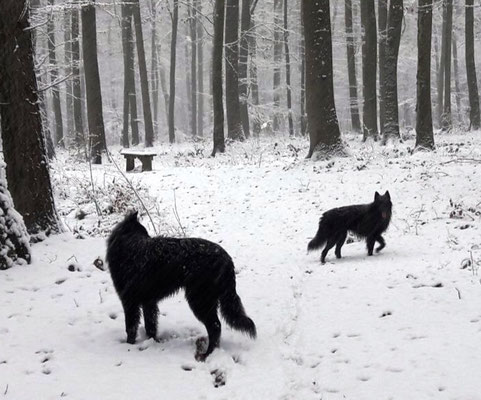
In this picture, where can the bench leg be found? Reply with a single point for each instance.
(129, 163)
(146, 164)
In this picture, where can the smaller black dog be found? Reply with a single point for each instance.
(365, 220)
(147, 269)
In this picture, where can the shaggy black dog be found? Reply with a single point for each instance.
(145, 270)
(365, 220)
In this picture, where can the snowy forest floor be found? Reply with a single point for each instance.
(403, 324)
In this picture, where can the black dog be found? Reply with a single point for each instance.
(145, 270)
(365, 220)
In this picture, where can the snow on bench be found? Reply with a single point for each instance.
(145, 158)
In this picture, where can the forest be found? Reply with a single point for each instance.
(241, 123)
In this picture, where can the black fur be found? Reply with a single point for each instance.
(365, 220)
(145, 270)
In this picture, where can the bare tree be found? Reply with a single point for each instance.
(288, 72)
(382, 29)
(446, 119)
(324, 133)
(173, 58)
(424, 120)
(92, 83)
(369, 56)
(474, 114)
(277, 62)
(76, 83)
(200, 71)
(193, 68)
(217, 53)
(21, 124)
(243, 63)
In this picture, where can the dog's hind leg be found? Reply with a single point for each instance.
(331, 242)
(340, 242)
(370, 241)
(132, 320)
(151, 313)
(382, 243)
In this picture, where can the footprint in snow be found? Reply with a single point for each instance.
(219, 377)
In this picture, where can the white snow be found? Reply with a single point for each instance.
(403, 324)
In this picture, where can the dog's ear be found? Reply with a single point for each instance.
(376, 196)
(132, 216)
(387, 195)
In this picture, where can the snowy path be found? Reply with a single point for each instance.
(404, 324)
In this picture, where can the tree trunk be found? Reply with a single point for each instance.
(217, 57)
(383, 31)
(369, 56)
(234, 124)
(173, 56)
(254, 86)
(277, 62)
(447, 123)
(57, 108)
(457, 86)
(474, 114)
(440, 76)
(193, 69)
(351, 68)
(68, 71)
(302, 56)
(144, 81)
(324, 133)
(76, 83)
(393, 39)
(24, 149)
(154, 72)
(424, 120)
(126, 29)
(92, 83)
(243, 63)
(200, 71)
(288, 72)
(188, 96)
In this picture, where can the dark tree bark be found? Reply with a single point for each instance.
(446, 119)
(200, 71)
(277, 62)
(351, 68)
(217, 57)
(243, 63)
(288, 72)
(474, 114)
(57, 108)
(424, 120)
(144, 81)
(457, 85)
(76, 83)
(92, 83)
(369, 56)
(302, 56)
(234, 124)
(188, 96)
(440, 73)
(393, 39)
(382, 29)
(24, 149)
(173, 57)
(127, 50)
(193, 69)
(324, 133)
(154, 72)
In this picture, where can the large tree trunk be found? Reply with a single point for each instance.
(200, 71)
(383, 32)
(393, 39)
(474, 113)
(288, 72)
(424, 120)
(440, 71)
(324, 133)
(68, 71)
(173, 57)
(277, 62)
(24, 149)
(128, 53)
(234, 124)
(243, 63)
(144, 81)
(351, 68)
(154, 72)
(193, 69)
(92, 83)
(369, 56)
(76, 82)
(217, 57)
(457, 85)
(57, 108)
(446, 118)
(302, 56)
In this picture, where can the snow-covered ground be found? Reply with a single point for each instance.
(403, 324)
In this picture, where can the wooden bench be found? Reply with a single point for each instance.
(145, 158)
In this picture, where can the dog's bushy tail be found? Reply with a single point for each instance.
(232, 309)
(318, 240)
